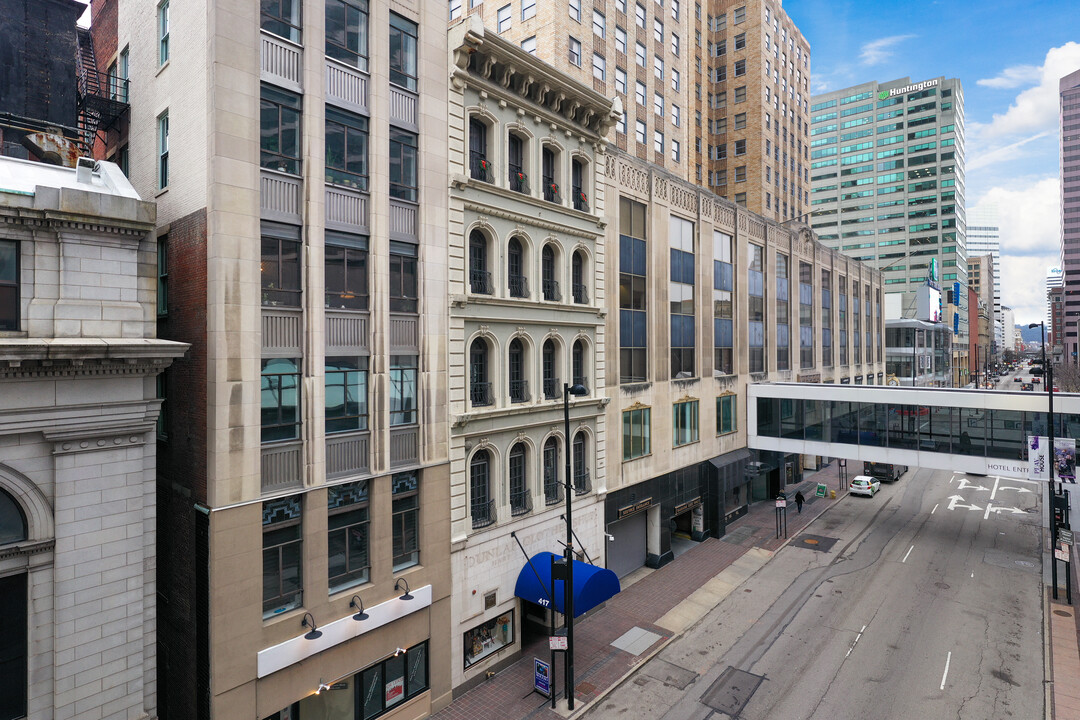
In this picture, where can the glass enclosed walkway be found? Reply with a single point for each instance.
(976, 431)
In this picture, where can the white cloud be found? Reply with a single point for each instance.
(1029, 217)
(1012, 151)
(1012, 77)
(878, 51)
(1034, 109)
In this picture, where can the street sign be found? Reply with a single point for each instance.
(1065, 536)
(821, 490)
(542, 677)
(781, 503)
(1062, 555)
(557, 642)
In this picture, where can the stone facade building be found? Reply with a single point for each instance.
(78, 369)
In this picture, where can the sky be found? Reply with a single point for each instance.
(1008, 56)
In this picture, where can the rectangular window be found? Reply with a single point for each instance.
(639, 52)
(740, 96)
(676, 115)
(346, 149)
(658, 141)
(389, 682)
(674, 44)
(403, 171)
(740, 149)
(658, 67)
(723, 307)
(739, 16)
(640, 132)
(345, 384)
(403, 58)
(347, 537)
(575, 51)
(347, 32)
(280, 266)
(633, 260)
(681, 297)
(620, 86)
(658, 104)
(346, 271)
(639, 14)
(403, 389)
(406, 520)
(639, 92)
(756, 314)
(599, 67)
(162, 275)
(280, 399)
(575, 9)
(162, 395)
(528, 9)
(529, 45)
(675, 151)
(281, 17)
(163, 150)
(685, 423)
(636, 433)
(620, 40)
(658, 31)
(283, 584)
(503, 18)
(279, 130)
(599, 23)
(10, 304)
(163, 32)
(675, 80)
(488, 638)
(726, 421)
(740, 41)
(404, 279)
(740, 68)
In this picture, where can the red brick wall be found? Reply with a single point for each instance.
(181, 472)
(103, 30)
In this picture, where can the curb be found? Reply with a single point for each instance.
(579, 711)
(1048, 659)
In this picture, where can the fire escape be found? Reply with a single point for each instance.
(103, 97)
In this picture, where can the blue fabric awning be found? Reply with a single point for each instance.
(592, 585)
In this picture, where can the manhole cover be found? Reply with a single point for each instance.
(1062, 613)
(1025, 563)
(814, 542)
(731, 691)
(943, 586)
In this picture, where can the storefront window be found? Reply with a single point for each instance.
(489, 638)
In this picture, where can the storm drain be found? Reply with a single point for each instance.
(731, 691)
(814, 542)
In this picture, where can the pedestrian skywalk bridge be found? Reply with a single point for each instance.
(971, 431)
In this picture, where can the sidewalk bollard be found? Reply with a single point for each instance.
(832, 494)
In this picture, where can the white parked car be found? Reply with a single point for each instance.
(864, 485)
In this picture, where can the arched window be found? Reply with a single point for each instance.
(515, 160)
(549, 160)
(479, 274)
(577, 277)
(480, 394)
(12, 520)
(479, 164)
(519, 386)
(582, 484)
(547, 362)
(520, 497)
(578, 185)
(515, 269)
(552, 489)
(481, 504)
(578, 363)
(547, 275)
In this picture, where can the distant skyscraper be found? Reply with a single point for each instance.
(1054, 279)
(1069, 126)
(984, 238)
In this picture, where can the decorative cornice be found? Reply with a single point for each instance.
(90, 439)
(27, 548)
(55, 220)
(534, 221)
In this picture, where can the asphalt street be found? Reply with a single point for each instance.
(921, 602)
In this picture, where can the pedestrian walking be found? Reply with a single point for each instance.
(799, 500)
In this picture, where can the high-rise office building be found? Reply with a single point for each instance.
(716, 93)
(1055, 280)
(886, 165)
(1069, 162)
(984, 238)
(297, 153)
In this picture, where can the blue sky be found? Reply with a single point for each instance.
(1008, 56)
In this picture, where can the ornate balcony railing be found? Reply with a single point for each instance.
(519, 286)
(480, 282)
(551, 192)
(581, 202)
(551, 388)
(519, 182)
(483, 513)
(480, 168)
(582, 482)
(519, 391)
(480, 394)
(581, 294)
(553, 491)
(551, 291)
(520, 502)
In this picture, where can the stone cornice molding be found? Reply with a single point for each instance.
(533, 221)
(92, 438)
(68, 357)
(94, 419)
(27, 548)
(56, 220)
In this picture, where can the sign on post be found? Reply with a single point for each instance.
(557, 642)
(1065, 537)
(781, 503)
(821, 490)
(1062, 555)
(542, 677)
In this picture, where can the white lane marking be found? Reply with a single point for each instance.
(907, 553)
(1019, 490)
(932, 511)
(954, 502)
(946, 673)
(987, 513)
(993, 494)
(965, 485)
(972, 574)
(856, 640)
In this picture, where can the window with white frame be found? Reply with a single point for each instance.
(620, 81)
(599, 24)
(676, 115)
(639, 11)
(658, 104)
(528, 9)
(639, 50)
(658, 67)
(658, 141)
(641, 133)
(529, 45)
(163, 150)
(674, 9)
(455, 9)
(675, 154)
(675, 80)
(503, 18)
(674, 44)
(621, 125)
(163, 32)
(599, 67)
(575, 10)
(639, 92)
(658, 30)
(620, 39)
(575, 51)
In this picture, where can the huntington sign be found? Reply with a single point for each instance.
(886, 94)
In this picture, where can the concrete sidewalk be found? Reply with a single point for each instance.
(1063, 652)
(645, 616)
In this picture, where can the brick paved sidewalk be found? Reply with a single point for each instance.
(598, 665)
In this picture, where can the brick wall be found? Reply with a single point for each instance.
(104, 34)
(182, 469)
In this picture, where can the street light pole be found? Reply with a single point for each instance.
(1048, 376)
(568, 583)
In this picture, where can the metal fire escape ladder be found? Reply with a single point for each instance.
(89, 85)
